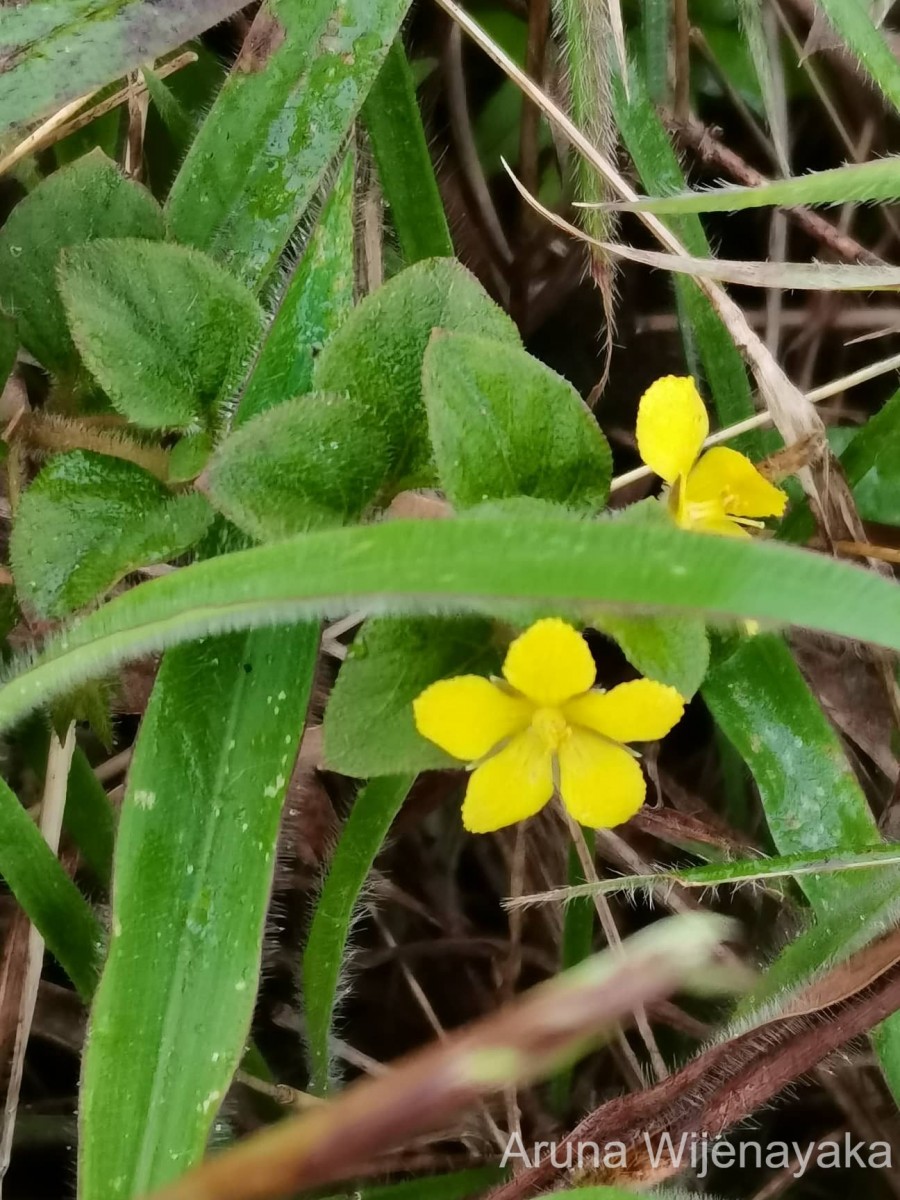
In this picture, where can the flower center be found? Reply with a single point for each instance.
(551, 727)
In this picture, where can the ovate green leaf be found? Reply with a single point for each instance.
(89, 199)
(164, 330)
(87, 520)
(674, 650)
(377, 353)
(310, 462)
(369, 727)
(502, 424)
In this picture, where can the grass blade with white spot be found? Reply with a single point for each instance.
(812, 799)
(194, 867)
(305, 69)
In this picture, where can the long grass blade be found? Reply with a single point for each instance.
(408, 567)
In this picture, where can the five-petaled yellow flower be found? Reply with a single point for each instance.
(545, 728)
(720, 491)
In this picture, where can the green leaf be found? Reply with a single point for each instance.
(674, 650)
(278, 122)
(308, 463)
(851, 924)
(369, 727)
(502, 424)
(766, 69)
(165, 331)
(856, 183)
(89, 199)
(810, 795)
(853, 23)
(377, 353)
(189, 456)
(55, 53)
(869, 461)
(487, 566)
(656, 20)
(88, 816)
(174, 116)
(361, 839)
(52, 901)
(459, 1186)
(194, 861)
(812, 799)
(318, 296)
(9, 348)
(391, 116)
(87, 520)
(577, 943)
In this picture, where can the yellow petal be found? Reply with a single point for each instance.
(510, 786)
(550, 662)
(467, 716)
(601, 784)
(640, 711)
(719, 525)
(672, 424)
(729, 478)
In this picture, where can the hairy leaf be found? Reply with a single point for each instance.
(361, 839)
(308, 463)
(377, 353)
(164, 330)
(280, 119)
(369, 727)
(488, 566)
(87, 520)
(317, 298)
(855, 183)
(502, 425)
(87, 200)
(193, 873)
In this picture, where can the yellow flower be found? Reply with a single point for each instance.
(543, 729)
(720, 491)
